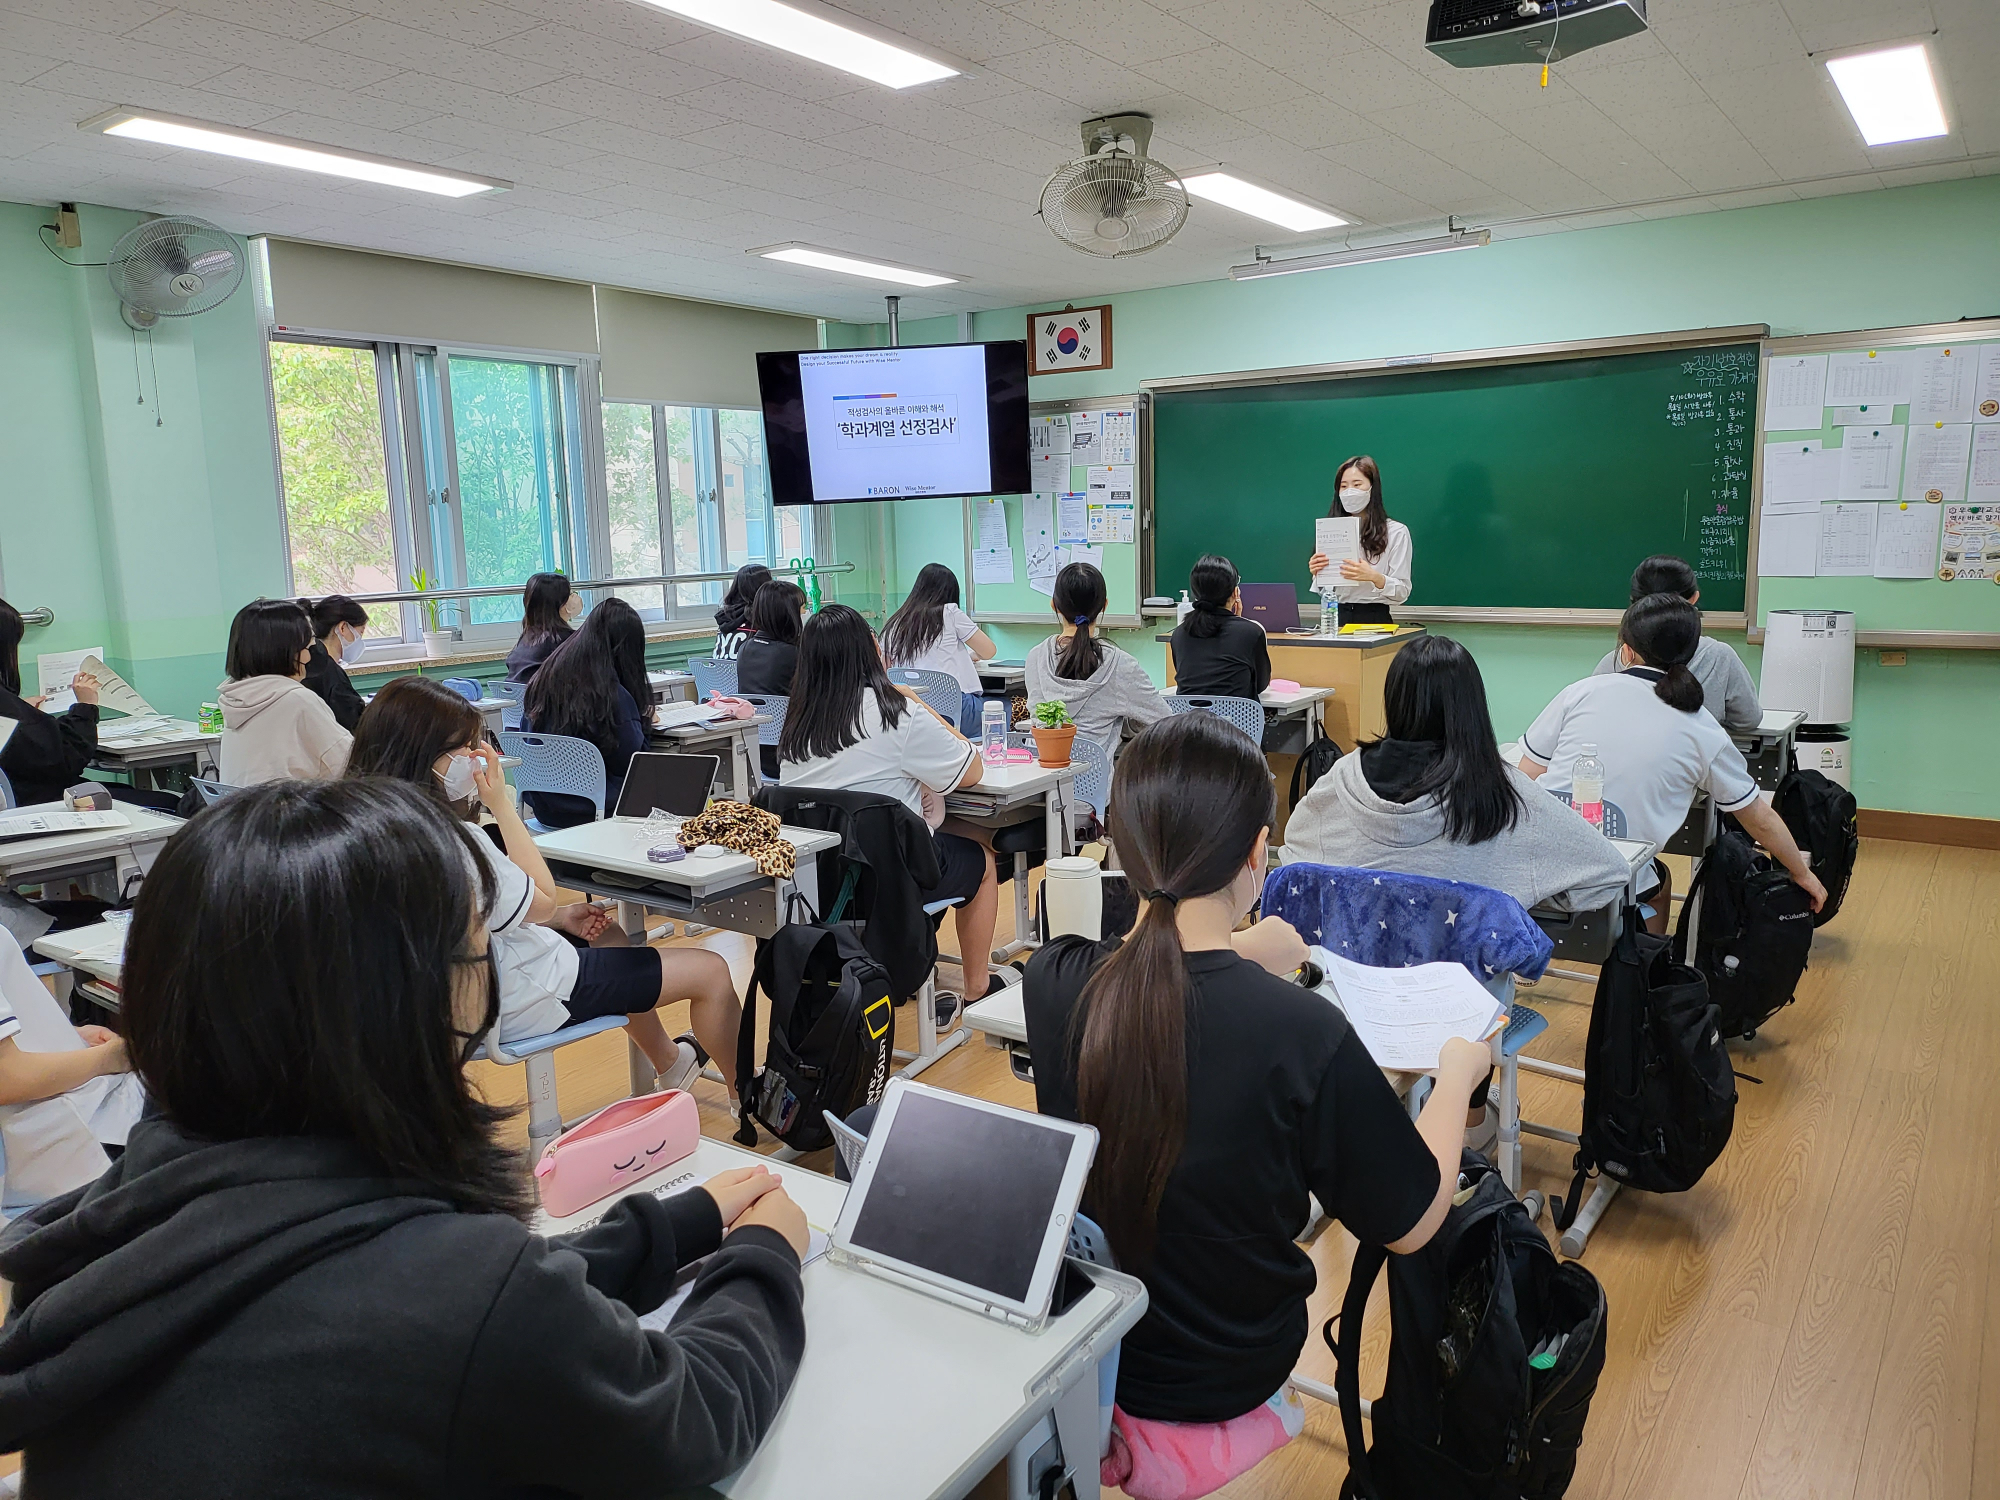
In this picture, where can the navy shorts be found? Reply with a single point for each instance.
(614, 982)
(961, 868)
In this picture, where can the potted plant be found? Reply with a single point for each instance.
(437, 640)
(1054, 731)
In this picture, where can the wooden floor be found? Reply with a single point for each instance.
(1813, 1319)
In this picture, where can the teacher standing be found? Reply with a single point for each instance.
(1382, 577)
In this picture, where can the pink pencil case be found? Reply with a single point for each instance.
(615, 1147)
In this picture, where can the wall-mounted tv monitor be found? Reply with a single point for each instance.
(896, 424)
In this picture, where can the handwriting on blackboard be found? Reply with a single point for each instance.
(1722, 545)
(1720, 367)
(1684, 407)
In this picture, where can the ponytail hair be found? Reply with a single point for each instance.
(1188, 800)
(1664, 629)
(1211, 584)
(1079, 599)
(332, 612)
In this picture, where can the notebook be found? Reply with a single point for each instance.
(676, 784)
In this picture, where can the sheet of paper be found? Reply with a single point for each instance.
(1846, 541)
(1120, 441)
(1339, 537)
(115, 693)
(1111, 484)
(992, 516)
(1111, 495)
(1971, 543)
(1942, 383)
(1788, 539)
(7, 728)
(1871, 463)
(54, 673)
(1038, 536)
(1405, 1016)
(1795, 394)
(1801, 471)
(1097, 525)
(1049, 435)
(1862, 416)
(1049, 472)
(993, 565)
(1906, 540)
(1935, 462)
(1983, 488)
(34, 825)
(1868, 375)
(1120, 522)
(1086, 433)
(1986, 394)
(680, 712)
(1082, 554)
(1073, 517)
(657, 1320)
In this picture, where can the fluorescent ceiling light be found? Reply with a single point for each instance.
(1460, 240)
(1260, 203)
(827, 260)
(811, 33)
(277, 151)
(1890, 93)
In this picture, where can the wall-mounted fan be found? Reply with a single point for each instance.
(173, 268)
(1114, 199)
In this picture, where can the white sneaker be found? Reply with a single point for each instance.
(1485, 1136)
(682, 1072)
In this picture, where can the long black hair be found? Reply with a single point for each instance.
(1211, 584)
(839, 665)
(735, 611)
(12, 628)
(302, 963)
(576, 690)
(265, 639)
(914, 628)
(410, 723)
(774, 613)
(1079, 599)
(1434, 692)
(1664, 630)
(1663, 573)
(333, 611)
(1188, 800)
(542, 602)
(1375, 519)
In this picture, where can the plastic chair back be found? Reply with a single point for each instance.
(851, 1142)
(467, 688)
(1093, 774)
(557, 763)
(1614, 815)
(712, 675)
(211, 792)
(1247, 714)
(938, 689)
(510, 716)
(772, 704)
(1088, 1242)
(6, 791)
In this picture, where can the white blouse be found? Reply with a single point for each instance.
(1394, 562)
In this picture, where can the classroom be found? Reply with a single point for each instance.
(756, 748)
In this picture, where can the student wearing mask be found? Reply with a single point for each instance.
(337, 626)
(593, 688)
(1726, 689)
(549, 608)
(419, 731)
(273, 725)
(930, 633)
(46, 754)
(1224, 1094)
(1104, 688)
(1382, 576)
(311, 1273)
(1658, 747)
(732, 621)
(1215, 650)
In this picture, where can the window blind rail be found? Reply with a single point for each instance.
(513, 590)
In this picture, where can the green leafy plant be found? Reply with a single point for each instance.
(433, 609)
(1054, 714)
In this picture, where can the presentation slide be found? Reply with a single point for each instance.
(883, 424)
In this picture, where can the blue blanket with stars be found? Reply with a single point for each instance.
(1392, 921)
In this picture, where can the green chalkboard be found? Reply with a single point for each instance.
(1524, 485)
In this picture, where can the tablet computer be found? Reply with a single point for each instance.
(968, 1201)
(676, 784)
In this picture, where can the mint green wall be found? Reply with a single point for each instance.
(144, 526)
(1923, 733)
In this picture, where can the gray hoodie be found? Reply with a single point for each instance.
(1117, 693)
(1550, 855)
(1726, 689)
(276, 727)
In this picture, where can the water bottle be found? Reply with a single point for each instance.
(993, 732)
(1586, 787)
(1183, 609)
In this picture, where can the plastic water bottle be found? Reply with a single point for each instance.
(1586, 787)
(993, 732)
(1183, 609)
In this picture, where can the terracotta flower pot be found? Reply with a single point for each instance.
(1052, 745)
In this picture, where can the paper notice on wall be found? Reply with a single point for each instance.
(1788, 539)
(1986, 394)
(1795, 395)
(992, 517)
(993, 565)
(1073, 517)
(1120, 443)
(1038, 536)
(1092, 555)
(1111, 509)
(114, 692)
(1049, 472)
(1086, 433)
(1846, 541)
(1934, 466)
(1871, 463)
(1339, 537)
(1983, 487)
(1942, 383)
(1049, 435)
(1801, 471)
(1868, 375)
(54, 673)
(1861, 416)
(1971, 543)
(1906, 540)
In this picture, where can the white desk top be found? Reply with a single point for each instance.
(721, 729)
(669, 679)
(1005, 674)
(1007, 785)
(98, 950)
(1004, 1015)
(1777, 721)
(113, 738)
(620, 844)
(143, 827)
(951, 1385)
(1305, 697)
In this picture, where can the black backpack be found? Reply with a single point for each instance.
(1821, 816)
(1755, 932)
(1463, 1414)
(832, 1027)
(1659, 1095)
(1313, 762)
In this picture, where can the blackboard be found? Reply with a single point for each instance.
(1533, 483)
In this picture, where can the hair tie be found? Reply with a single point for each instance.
(1081, 620)
(1167, 896)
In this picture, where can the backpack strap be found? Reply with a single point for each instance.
(746, 1046)
(1368, 1263)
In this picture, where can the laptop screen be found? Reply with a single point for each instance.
(676, 784)
(1275, 606)
(984, 1227)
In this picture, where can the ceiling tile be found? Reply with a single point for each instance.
(450, 59)
(228, 42)
(298, 19)
(1223, 78)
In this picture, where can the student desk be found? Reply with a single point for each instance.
(995, 803)
(1004, 677)
(733, 739)
(675, 684)
(1771, 748)
(1587, 936)
(903, 1395)
(1353, 667)
(120, 852)
(490, 710)
(97, 952)
(169, 742)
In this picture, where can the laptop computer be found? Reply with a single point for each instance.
(966, 1201)
(1275, 606)
(676, 784)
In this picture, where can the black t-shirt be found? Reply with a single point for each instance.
(764, 666)
(1283, 1101)
(1234, 663)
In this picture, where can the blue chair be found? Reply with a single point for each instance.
(939, 690)
(557, 763)
(539, 1054)
(6, 792)
(1614, 815)
(1247, 714)
(1088, 1242)
(467, 688)
(712, 675)
(510, 716)
(1093, 774)
(772, 704)
(211, 792)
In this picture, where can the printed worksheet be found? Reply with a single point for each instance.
(1038, 537)
(1868, 375)
(1864, 415)
(1788, 539)
(1086, 432)
(993, 565)
(1339, 537)
(1796, 392)
(1984, 486)
(1871, 463)
(1073, 517)
(1906, 540)
(1986, 394)
(1941, 384)
(1405, 1016)
(1049, 434)
(55, 671)
(1802, 471)
(1846, 541)
(992, 514)
(1120, 443)
(1934, 465)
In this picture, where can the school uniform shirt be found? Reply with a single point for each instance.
(329, 679)
(899, 760)
(766, 666)
(1233, 663)
(1283, 1100)
(1118, 693)
(949, 653)
(1656, 758)
(1726, 689)
(559, 810)
(536, 967)
(1395, 565)
(46, 754)
(276, 727)
(526, 659)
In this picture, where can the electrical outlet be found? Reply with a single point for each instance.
(1895, 658)
(69, 232)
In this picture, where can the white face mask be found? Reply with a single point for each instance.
(459, 785)
(350, 649)
(1354, 501)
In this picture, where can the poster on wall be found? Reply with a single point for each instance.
(1077, 338)
(1971, 549)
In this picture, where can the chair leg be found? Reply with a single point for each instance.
(639, 1068)
(1509, 1148)
(544, 1116)
(930, 1047)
